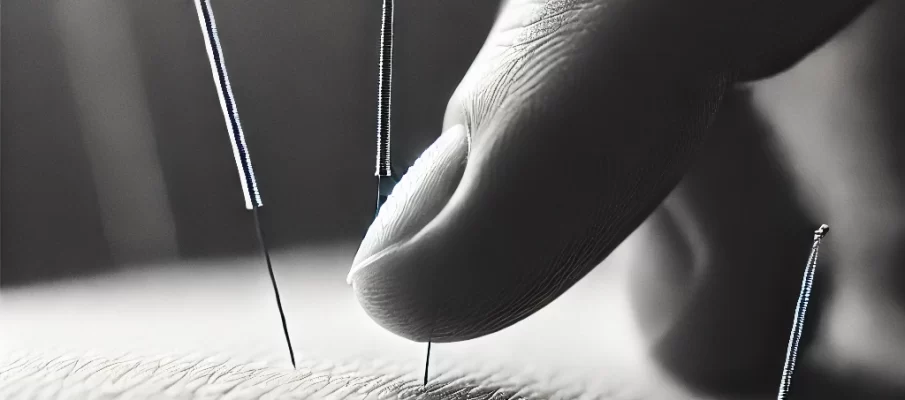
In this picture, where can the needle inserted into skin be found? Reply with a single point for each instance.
(386, 175)
(800, 310)
(427, 363)
(237, 140)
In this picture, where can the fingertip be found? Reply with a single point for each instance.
(394, 290)
(421, 193)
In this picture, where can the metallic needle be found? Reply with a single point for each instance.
(427, 362)
(237, 141)
(800, 310)
(385, 173)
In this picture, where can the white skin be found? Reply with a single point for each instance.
(578, 118)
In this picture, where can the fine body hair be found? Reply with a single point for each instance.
(38, 375)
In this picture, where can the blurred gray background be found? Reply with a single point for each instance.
(114, 148)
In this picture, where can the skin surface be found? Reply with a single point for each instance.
(39, 376)
(204, 329)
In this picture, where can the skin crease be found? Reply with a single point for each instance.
(507, 243)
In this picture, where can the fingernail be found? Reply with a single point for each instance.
(417, 198)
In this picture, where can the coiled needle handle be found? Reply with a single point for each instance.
(386, 175)
(237, 141)
(384, 91)
(801, 309)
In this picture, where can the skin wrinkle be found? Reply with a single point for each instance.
(534, 35)
(195, 376)
(549, 19)
(497, 86)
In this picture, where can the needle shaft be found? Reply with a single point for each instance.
(800, 311)
(427, 362)
(273, 281)
(386, 177)
(237, 141)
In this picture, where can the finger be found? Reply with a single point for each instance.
(718, 317)
(581, 116)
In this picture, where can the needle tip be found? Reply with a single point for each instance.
(822, 231)
(427, 364)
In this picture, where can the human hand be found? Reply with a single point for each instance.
(520, 198)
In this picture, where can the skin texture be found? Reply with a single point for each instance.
(209, 329)
(206, 328)
(38, 376)
(581, 117)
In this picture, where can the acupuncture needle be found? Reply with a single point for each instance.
(386, 175)
(237, 140)
(801, 308)
(387, 178)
